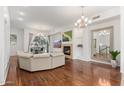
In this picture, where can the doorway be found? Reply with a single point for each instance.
(102, 43)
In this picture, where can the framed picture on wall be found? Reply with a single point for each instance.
(57, 43)
(67, 36)
(13, 39)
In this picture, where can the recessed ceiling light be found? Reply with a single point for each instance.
(20, 19)
(5, 15)
(21, 13)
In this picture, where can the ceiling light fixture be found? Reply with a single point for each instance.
(21, 13)
(20, 19)
(83, 21)
(5, 15)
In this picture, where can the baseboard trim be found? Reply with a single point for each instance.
(6, 71)
(100, 62)
(83, 60)
(2, 83)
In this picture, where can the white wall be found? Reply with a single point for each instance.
(77, 39)
(107, 14)
(122, 40)
(115, 22)
(81, 37)
(85, 53)
(20, 41)
(2, 46)
(5, 43)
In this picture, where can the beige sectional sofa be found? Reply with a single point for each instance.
(37, 62)
(57, 59)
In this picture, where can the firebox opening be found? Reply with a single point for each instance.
(67, 50)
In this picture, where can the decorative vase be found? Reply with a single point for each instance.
(114, 63)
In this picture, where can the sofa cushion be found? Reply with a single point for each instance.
(24, 54)
(41, 55)
(57, 54)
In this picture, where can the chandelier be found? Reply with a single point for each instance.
(83, 21)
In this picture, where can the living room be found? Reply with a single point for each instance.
(53, 40)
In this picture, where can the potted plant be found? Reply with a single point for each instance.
(114, 54)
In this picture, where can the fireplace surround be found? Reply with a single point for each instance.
(67, 50)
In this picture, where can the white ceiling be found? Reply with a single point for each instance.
(46, 18)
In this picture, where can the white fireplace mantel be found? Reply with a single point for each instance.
(66, 43)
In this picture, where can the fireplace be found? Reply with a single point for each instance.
(67, 50)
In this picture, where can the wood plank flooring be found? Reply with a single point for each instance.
(73, 73)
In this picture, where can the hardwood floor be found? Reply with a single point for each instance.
(102, 57)
(75, 72)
